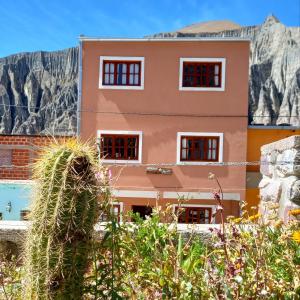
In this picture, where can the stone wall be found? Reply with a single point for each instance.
(280, 167)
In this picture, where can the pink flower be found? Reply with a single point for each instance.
(109, 175)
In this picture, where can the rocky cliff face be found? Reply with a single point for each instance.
(274, 75)
(38, 93)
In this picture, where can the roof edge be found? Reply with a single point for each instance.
(195, 39)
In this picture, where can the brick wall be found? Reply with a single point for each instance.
(17, 152)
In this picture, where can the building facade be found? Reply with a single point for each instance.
(166, 113)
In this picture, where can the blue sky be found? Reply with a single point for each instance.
(31, 25)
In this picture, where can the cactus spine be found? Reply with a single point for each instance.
(64, 212)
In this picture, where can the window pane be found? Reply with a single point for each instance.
(124, 68)
(136, 79)
(183, 143)
(137, 68)
(106, 68)
(131, 68)
(111, 79)
(106, 79)
(130, 79)
(112, 67)
(217, 69)
(124, 79)
(216, 80)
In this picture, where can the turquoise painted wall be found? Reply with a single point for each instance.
(18, 194)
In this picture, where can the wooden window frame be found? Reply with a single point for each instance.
(194, 75)
(205, 139)
(205, 61)
(114, 147)
(115, 60)
(125, 134)
(199, 208)
(205, 136)
(116, 73)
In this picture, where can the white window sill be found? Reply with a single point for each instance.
(199, 163)
(120, 87)
(204, 89)
(120, 161)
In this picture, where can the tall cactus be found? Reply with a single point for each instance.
(64, 212)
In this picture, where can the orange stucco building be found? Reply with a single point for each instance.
(165, 113)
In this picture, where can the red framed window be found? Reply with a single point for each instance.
(194, 215)
(126, 73)
(122, 147)
(201, 74)
(199, 148)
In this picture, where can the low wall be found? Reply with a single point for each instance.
(15, 231)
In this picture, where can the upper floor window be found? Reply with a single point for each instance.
(120, 146)
(202, 74)
(197, 148)
(121, 72)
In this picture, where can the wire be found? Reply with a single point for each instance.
(149, 114)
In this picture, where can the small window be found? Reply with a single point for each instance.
(24, 215)
(119, 147)
(114, 210)
(5, 157)
(206, 74)
(121, 72)
(201, 74)
(194, 215)
(199, 148)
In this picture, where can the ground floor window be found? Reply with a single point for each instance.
(142, 210)
(115, 210)
(194, 215)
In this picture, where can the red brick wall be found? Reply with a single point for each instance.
(24, 150)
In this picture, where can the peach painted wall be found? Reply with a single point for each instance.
(224, 112)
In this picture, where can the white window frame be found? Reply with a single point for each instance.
(121, 58)
(121, 210)
(203, 59)
(122, 132)
(213, 210)
(204, 134)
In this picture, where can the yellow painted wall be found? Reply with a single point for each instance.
(258, 137)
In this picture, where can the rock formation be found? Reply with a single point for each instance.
(281, 176)
(38, 91)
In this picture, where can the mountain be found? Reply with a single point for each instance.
(38, 91)
(274, 75)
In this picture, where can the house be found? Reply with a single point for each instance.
(166, 113)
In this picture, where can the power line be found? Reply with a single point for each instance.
(146, 113)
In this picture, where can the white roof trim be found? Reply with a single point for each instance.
(196, 39)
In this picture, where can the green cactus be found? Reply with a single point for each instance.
(64, 212)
